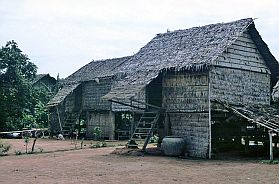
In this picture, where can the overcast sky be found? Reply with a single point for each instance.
(60, 36)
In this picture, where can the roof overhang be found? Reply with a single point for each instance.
(62, 94)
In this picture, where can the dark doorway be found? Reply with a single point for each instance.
(154, 92)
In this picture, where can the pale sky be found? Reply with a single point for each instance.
(60, 36)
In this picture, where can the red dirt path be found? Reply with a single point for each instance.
(99, 166)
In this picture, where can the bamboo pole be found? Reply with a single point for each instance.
(59, 120)
(209, 118)
(270, 146)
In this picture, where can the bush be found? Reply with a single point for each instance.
(97, 133)
(154, 139)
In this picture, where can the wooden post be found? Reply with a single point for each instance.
(209, 117)
(111, 125)
(270, 146)
(59, 120)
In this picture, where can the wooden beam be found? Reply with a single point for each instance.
(147, 104)
(125, 104)
(209, 118)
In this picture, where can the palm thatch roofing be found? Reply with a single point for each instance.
(92, 71)
(38, 77)
(97, 69)
(193, 49)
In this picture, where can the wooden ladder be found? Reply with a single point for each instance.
(70, 122)
(144, 128)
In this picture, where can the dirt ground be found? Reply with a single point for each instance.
(98, 165)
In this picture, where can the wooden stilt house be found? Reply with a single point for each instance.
(78, 104)
(173, 86)
(183, 72)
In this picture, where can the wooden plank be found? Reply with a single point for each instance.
(245, 56)
(236, 60)
(243, 67)
(244, 48)
(244, 43)
(150, 105)
(209, 118)
(125, 104)
(246, 35)
(59, 120)
(240, 64)
(246, 40)
(240, 44)
(243, 52)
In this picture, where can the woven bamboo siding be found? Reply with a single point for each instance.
(185, 97)
(239, 86)
(140, 97)
(193, 127)
(104, 120)
(92, 93)
(54, 126)
(185, 92)
(70, 102)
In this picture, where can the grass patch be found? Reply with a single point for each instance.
(99, 145)
(270, 162)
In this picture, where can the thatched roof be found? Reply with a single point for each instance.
(62, 94)
(92, 71)
(38, 77)
(192, 49)
(97, 69)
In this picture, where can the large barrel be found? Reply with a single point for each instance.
(173, 145)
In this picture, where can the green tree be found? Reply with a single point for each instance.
(16, 74)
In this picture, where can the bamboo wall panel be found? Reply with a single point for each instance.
(70, 102)
(193, 127)
(92, 92)
(239, 86)
(185, 92)
(54, 126)
(185, 97)
(140, 97)
(104, 120)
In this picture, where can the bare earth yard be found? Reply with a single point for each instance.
(98, 165)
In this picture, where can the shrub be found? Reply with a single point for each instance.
(154, 139)
(97, 133)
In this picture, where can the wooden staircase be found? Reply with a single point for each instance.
(70, 122)
(144, 128)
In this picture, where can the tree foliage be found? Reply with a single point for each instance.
(16, 74)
